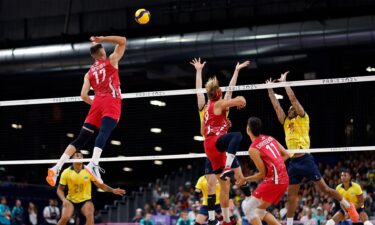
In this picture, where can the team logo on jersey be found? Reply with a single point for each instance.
(85, 177)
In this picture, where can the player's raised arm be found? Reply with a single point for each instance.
(239, 102)
(198, 81)
(295, 103)
(85, 90)
(233, 81)
(120, 43)
(275, 103)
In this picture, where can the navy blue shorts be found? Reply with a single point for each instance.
(204, 210)
(208, 167)
(358, 210)
(303, 167)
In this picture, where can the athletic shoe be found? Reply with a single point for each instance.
(227, 173)
(353, 214)
(51, 178)
(213, 222)
(95, 170)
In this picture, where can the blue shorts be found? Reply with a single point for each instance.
(303, 167)
(208, 167)
(204, 210)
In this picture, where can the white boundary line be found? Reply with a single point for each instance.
(182, 156)
(194, 91)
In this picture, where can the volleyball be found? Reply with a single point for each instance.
(142, 16)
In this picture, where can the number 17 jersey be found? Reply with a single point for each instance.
(272, 159)
(104, 79)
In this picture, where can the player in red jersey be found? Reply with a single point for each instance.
(105, 109)
(268, 156)
(219, 145)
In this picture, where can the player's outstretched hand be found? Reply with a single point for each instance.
(96, 39)
(283, 77)
(239, 66)
(119, 191)
(197, 63)
(243, 102)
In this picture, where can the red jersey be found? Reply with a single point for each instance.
(274, 162)
(215, 125)
(104, 79)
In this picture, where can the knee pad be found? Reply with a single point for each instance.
(250, 208)
(261, 213)
(84, 135)
(108, 124)
(330, 222)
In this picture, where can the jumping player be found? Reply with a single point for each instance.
(296, 127)
(79, 199)
(210, 176)
(268, 156)
(220, 146)
(353, 192)
(105, 109)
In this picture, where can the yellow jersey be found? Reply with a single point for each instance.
(297, 132)
(79, 184)
(202, 185)
(351, 193)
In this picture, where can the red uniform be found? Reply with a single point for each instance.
(276, 180)
(214, 127)
(105, 81)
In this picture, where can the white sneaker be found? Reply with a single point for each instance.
(52, 175)
(95, 170)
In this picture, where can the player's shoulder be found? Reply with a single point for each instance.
(356, 185)
(339, 186)
(66, 171)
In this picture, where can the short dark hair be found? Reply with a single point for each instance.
(255, 125)
(95, 48)
(346, 170)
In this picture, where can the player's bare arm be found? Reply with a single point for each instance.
(120, 47)
(106, 188)
(198, 65)
(233, 81)
(255, 156)
(276, 104)
(61, 194)
(283, 152)
(361, 201)
(239, 102)
(85, 90)
(202, 127)
(292, 97)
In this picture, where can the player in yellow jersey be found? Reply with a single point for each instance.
(296, 126)
(353, 193)
(78, 181)
(201, 188)
(211, 178)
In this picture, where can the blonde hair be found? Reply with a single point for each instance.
(212, 87)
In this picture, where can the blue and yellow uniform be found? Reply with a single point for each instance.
(202, 185)
(79, 185)
(297, 137)
(351, 194)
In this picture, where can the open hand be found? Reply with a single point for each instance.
(239, 66)
(96, 39)
(119, 191)
(197, 63)
(283, 77)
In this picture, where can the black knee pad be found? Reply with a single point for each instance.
(84, 136)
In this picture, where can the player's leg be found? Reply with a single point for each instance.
(211, 190)
(224, 196)
(364, 217)
(338, 217)
(293, 190)
(108, 124)
(66, 213)
(84, 135)
(253, 212)
(88, 211)
(202, 215)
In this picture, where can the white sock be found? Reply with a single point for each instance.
(289, 221)
(96, 155)
(226, 216)
(61, 161)
(345, 203)
(211, 215)
(367, 223)
(229, 161)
